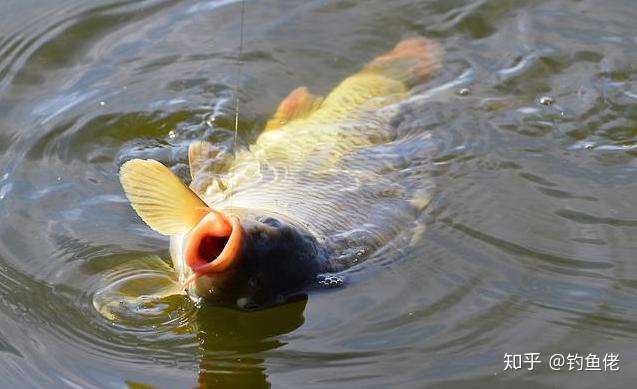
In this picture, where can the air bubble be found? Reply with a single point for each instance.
(546, 100)
(331, 281)
(210, 121)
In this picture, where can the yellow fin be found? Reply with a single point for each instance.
(160, 198)
(145, 287)
(299, 104)
(410, 61)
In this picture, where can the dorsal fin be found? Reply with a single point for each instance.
(299, 104)
(160, 198)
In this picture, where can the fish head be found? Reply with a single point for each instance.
(249, 259)
(238, 257)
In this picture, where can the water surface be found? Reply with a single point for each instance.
(530, 237)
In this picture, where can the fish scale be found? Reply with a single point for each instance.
(317, 191)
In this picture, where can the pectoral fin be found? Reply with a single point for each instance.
(143, 289)
(200, 152)
(160, 198)
(298, 105)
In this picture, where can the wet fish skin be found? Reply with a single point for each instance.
(277, 262)
(310, 191)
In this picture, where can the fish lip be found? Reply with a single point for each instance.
(214, 225)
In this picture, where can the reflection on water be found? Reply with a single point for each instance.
(142, 295)
(527, 245)
(231, 341)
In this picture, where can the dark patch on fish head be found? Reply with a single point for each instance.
(277, 261)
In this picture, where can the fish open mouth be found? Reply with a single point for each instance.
(211, 246)
(214, 244)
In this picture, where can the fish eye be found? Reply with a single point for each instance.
(271, 222)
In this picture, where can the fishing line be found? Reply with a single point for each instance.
(236, 93)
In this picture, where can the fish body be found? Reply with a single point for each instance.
(319, 189)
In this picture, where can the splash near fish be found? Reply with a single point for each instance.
(318, 191)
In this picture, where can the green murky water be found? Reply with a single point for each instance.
(531, 234)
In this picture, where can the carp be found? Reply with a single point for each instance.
(321, 188)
